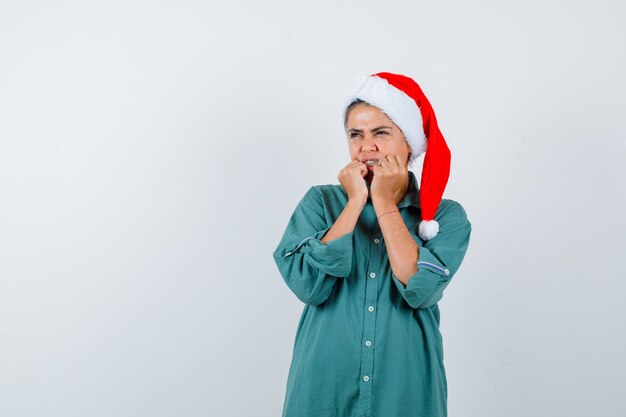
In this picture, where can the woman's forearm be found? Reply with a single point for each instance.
(402, 249)
(346, 222)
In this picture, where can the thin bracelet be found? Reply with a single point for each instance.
(386, 213)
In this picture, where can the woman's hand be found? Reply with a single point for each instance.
(390, 182)
(352, 177)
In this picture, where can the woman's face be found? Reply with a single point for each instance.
(372, 135)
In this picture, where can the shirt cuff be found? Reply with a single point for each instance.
(426, 286)
(333, 257)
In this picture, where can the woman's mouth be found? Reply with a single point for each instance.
(371, 162)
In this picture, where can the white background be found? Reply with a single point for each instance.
(151, 154)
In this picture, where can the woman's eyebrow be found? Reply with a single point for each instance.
(371, 130)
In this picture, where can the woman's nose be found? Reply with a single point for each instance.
(369, 145)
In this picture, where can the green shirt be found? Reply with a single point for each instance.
(366, 345)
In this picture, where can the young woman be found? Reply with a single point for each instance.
(370, 258)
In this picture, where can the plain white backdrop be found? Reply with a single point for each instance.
(151, 154)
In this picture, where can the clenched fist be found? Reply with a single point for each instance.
(391, 180)
(352, 177)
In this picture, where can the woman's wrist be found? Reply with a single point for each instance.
(358, 201)
(381, 207)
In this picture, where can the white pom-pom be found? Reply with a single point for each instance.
(428, 229)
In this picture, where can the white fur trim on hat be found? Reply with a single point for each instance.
(396, 104)
(428, 229)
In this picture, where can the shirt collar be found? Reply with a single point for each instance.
(412, 196)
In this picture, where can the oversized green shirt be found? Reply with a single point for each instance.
(366, 345)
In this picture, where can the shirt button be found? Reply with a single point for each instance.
(372, 275)
(368, 343)
(366, 378)
(370, 308)
(376, 240)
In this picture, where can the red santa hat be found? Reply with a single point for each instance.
(404, 102)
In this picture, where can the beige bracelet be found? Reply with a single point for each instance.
(386, 213)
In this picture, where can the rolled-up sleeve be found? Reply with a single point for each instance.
(439, 258)
(309, 267)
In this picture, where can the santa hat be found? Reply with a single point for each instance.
(403, 101)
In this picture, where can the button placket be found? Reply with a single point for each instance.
(369, 322)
